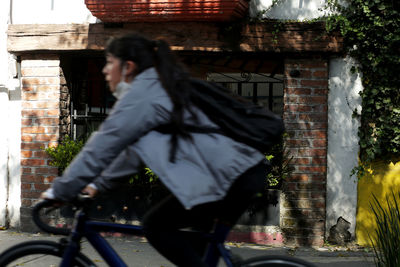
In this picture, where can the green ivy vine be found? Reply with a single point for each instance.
(371, 31)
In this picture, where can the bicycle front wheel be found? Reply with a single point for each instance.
(39, 254)
(276, 261)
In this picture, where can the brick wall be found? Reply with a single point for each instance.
(305, 115)
(41, 83)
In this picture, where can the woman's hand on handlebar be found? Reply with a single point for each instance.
(45, 195)
(48, 195)
(90, 190)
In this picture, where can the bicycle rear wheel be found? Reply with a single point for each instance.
(278, 261)
(39, 254)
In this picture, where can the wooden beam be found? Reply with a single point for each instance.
(189, 36)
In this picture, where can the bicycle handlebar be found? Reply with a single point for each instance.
(81, 201)
(42, 225)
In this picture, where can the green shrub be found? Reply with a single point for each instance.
(62, 155)
(146, 177)
(280, 160)
(386, 241)
(146, 185)
(281, 169)
(146, 180)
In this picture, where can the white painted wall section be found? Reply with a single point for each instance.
(344, 99)
(50, 12)
(3, 155)
(288, 9)
(4, 18)
(14, 150)
(10, 120)
(4, 115)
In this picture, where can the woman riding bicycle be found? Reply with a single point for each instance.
(210, 176)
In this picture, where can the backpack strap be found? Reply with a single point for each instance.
(169, 129)
(202, 129)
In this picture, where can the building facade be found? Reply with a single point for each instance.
(318, 94)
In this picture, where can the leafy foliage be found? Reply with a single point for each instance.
(281, 169)
(278, 157)
(386, 242)
(62, 155)
(371, 31)
(145, 178)
(146, 185)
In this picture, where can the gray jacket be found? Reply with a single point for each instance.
(204, 169)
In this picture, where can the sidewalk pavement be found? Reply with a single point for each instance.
(137, 252)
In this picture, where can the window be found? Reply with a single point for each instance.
(90, 100)
(260, 88)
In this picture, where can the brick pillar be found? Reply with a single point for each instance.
(41, 82)
(305, 116)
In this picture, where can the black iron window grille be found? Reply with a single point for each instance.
(261, 88)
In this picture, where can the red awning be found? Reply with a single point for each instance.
(167, 10)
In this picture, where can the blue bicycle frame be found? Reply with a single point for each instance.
(91, 230)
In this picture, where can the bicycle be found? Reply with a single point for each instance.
(67, 251)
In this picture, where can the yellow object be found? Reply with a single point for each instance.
(381, 179)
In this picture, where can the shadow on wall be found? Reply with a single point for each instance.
(307, 224)
(381, 179)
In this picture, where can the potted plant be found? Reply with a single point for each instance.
(265, 210)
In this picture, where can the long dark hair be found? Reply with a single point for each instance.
(146, 53)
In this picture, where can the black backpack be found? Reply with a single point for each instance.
(238, 118)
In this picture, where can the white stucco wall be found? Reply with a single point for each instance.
(10, 147)
(3, 155)
(4, 18)
(288, 9)
(4, 114)
(50, 12)
(14, 147)
(343, 148)
(10, 121)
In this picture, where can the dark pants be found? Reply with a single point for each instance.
(163, 221)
